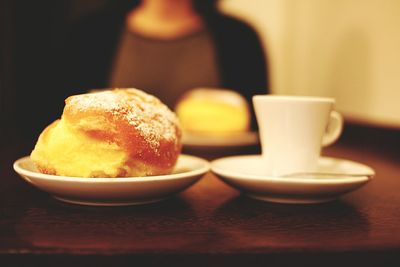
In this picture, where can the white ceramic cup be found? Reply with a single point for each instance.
(293, 129)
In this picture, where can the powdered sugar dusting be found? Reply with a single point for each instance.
(152, 119)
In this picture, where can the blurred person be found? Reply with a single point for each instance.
(164, 47)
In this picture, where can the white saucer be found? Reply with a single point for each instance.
(234, 140)
(115, 191)
(245, 173)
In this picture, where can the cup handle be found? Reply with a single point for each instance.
(334, 128)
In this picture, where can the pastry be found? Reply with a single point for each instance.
(218, 112)
(112, 133)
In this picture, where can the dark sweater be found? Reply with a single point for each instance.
(165, 68)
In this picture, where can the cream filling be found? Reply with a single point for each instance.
(70, 152)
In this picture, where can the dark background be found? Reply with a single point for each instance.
(30, 32)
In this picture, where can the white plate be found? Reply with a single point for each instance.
(234, 140)
(245, 173)
(115, 191)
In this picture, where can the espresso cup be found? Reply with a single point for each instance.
(293, 129)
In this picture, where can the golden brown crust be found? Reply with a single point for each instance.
(137, 122)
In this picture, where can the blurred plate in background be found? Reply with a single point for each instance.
(209, 141)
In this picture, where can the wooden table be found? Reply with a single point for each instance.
(212, 224)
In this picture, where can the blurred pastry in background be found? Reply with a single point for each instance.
(214, 112)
